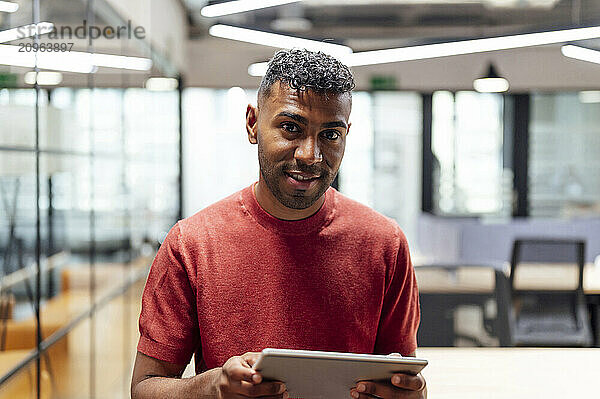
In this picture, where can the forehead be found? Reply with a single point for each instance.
(282, 96)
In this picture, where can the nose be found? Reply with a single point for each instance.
(308, 151)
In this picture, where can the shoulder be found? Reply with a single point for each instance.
(363, 218)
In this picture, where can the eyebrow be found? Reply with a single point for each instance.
(304, 121)
(334, 124)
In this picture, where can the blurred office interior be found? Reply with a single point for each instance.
(101, 154)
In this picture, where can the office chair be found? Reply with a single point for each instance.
(546, 293)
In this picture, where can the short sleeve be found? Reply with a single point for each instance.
(168, 321)
(400, 315)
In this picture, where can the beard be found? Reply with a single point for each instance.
(298, 199)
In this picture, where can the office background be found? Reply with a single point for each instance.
(99, 160)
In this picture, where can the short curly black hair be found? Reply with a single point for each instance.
(307, 70)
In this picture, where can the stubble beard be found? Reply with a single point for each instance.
(272, 175)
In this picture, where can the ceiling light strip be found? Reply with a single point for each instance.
(471, 46)
(73, 61)
(25, 31)
(7, 6)
(276, 40)
(237, 6)
(258, 69)
(581, 53)
(43, 78)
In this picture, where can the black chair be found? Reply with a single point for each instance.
(547, 310)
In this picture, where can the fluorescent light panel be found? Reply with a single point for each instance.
(276, 40)
(258, 69)
(237, 6)
(490, 85)
(72, 61)
(69, 62)
(25, 31)
(581, 53)
(470, 46)
(161, 84)
(7, 6)
(121, 62)
(44, 78)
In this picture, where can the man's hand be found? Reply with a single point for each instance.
(400, 386)
(239, 380)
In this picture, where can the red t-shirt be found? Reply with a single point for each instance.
(232, 279)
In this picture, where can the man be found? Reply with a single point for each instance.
(287, 262)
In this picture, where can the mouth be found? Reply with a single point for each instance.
(301, 180)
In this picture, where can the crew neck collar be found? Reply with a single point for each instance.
(315, 222)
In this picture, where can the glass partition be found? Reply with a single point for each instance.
(89, 186)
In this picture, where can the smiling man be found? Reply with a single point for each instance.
(287, 262)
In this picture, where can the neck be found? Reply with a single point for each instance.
(271, 205)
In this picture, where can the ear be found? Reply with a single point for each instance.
(348, 129)
(252, 123)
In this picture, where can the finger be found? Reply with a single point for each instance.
(379, 389)
(409, 382)
(395, 354)
(237, 370)
(284, 395)
(251, 357)
(361, 395)
(264, 389)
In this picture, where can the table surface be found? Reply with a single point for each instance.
(475, 279)
(490, 373)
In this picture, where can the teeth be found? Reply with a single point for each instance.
(300, 177)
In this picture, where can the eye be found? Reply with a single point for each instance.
(290, 127)
(331, 134)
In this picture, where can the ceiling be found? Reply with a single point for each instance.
(368, 25)
(361, 24)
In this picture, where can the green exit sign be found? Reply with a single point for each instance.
(8, 80)
(383, 82)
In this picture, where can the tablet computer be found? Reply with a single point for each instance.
(329, 375)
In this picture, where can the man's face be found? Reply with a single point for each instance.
(301, 138)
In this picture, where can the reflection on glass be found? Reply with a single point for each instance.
(116, 202)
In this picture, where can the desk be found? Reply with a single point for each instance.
(480, 279)
(516, 373)
(442, 290)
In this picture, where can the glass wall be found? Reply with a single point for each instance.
(89, 186)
